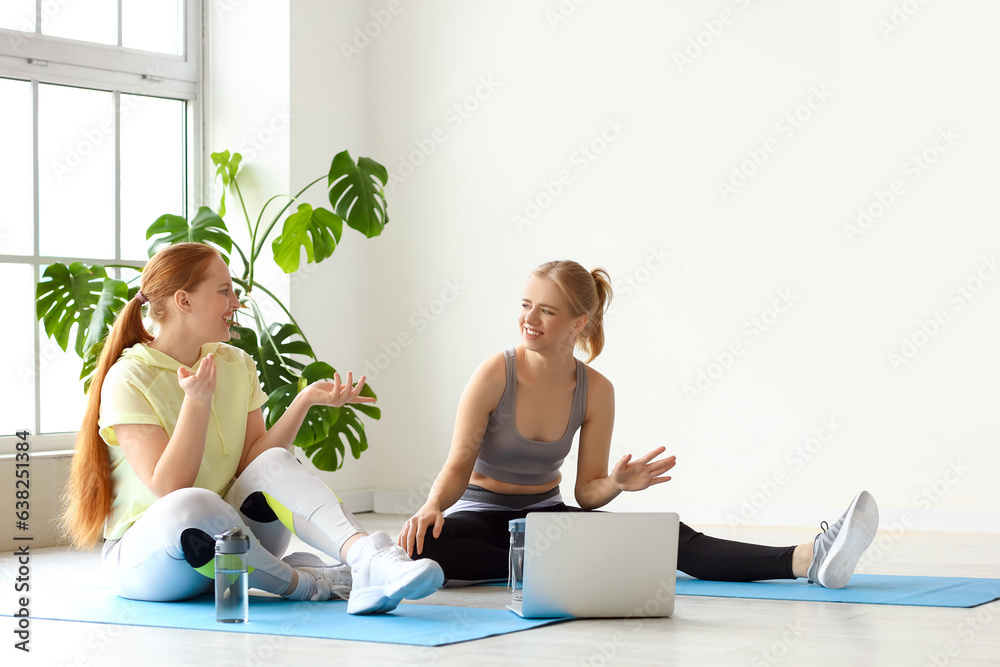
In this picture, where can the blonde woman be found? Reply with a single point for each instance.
(174, 449)
(515, 425)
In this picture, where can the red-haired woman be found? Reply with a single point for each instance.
(515, 425)
(173, 450)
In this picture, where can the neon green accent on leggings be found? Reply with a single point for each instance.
(208, 569)
(284, 514)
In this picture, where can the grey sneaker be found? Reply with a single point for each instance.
(837, 550)
(337, 577)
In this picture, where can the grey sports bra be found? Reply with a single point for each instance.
(506, 456)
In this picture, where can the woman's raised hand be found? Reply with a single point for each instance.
(415, 528)
(642, 473)
(337, 393)
(200, 385)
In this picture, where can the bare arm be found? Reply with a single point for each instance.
(480, 397)
(594, 486)
(166, 464)
(335, 394)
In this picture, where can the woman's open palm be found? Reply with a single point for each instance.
(337, 393)
(643, 472)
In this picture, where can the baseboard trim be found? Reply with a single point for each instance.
(358, 502)
(399, 502)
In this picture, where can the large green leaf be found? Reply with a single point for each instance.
(226, 169)
(317, 230)
(112, 300)
(356, 193)
(206, 227)
(272, 353)
(326, 431)
(67, 299)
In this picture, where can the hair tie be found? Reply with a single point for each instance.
(142, 297)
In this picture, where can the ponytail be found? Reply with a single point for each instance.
(88, 495)
(593, 333)
(588, 293)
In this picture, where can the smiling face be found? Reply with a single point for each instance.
(210, 307)
(545, 319)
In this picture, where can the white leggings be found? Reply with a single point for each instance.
(168, 554)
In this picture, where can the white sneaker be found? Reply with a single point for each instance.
(337, 577)
(389, 576)
(837, 550)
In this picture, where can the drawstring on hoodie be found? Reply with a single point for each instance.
(218, 429)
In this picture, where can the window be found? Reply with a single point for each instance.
(100, 117)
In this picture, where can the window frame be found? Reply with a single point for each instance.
(43, 59)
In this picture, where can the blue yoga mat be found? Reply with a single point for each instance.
(863, 589)
(413, 624)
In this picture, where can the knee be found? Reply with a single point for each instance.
(196, 508)
(273, 460)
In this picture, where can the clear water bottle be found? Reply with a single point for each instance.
(231, 586)
(515, 570)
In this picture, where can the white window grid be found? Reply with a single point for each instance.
(43, 59)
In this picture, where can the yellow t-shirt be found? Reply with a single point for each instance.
(142, 388)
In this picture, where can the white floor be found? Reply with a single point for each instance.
(703, 631)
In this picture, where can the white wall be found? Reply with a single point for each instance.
(445, 278)
(280, 95)
(329, 114)
(878, 100)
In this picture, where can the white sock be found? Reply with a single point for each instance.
(362, 550)
(335, 578)
(305, 589)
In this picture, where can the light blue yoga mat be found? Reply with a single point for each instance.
(413, 624)
(863, 589)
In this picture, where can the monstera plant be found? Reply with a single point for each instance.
(81, 301)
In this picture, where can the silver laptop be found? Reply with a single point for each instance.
(597, 564)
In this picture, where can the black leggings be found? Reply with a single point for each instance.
(474, 546)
